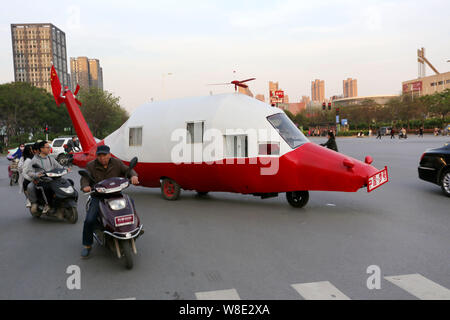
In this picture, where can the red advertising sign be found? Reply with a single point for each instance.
(414, 86)
(279, 94)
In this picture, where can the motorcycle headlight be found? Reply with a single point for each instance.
(117, 204)
(69, 189)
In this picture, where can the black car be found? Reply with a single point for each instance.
(435, 167)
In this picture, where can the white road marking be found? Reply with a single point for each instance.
(230, 294)
(322, 290)
(132, 298)
(331, 205)
(420, 287)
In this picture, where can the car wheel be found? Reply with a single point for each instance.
(170, 189)
(445, 182)
(297, 199)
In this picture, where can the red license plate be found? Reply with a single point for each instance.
(124, 220)
(377, 180)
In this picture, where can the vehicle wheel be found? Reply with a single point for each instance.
(202, 193)
(445, 182)
(170, 189)
(297, 199)
(72, 215)
(127, 253)
(62, 159)
(11, 181)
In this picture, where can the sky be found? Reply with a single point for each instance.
(198, 42)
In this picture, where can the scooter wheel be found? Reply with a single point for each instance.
(72, 215)
(127, 253)
(170, 189)
(297, 199)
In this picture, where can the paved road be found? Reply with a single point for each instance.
(251, 248)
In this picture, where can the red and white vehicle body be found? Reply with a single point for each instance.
(227, 142)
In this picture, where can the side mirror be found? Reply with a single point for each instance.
(86, 174)
(133, 163)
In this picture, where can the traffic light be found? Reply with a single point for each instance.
(329, 106)
(46, 129)
(323, 106)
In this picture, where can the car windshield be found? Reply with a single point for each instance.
(287, 130)
(58, 143)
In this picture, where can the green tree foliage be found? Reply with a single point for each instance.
(102, 111)
(27, 109)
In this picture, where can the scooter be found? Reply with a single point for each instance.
(13, 171)
(65, 158)
(57, 196)
(118, 224)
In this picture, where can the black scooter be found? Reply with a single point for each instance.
(118, 224)
(57, 196)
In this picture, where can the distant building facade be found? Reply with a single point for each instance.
(427, 85)
(350, 88)
(382, 100)
(86, 72)
(36, 46)
(318, 90)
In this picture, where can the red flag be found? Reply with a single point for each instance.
(56, 86)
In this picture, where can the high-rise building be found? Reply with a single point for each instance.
(245, 91)
(86, 72)
(260, 97)
(306, 99)
(318, 90)
(350, 88)
(273, 86)
(36, 46)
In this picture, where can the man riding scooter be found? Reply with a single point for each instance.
(103, 167)
(44, 162)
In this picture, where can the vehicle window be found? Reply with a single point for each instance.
(135, 138)
(236, 146)
(58, 143)
(195, 132)
(287, 130)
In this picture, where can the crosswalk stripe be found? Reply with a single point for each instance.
(420, 287)
(230, 294)
(322, 290)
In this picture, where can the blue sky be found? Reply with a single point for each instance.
(203, 42)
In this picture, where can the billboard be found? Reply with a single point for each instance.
(413, 86)
(276, 96)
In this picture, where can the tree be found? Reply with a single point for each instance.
(102, 111)
(27, 109)
(440, 103)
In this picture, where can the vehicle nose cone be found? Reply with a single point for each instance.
(322, 169)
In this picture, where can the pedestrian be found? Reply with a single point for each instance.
(331, 143)
(392, 133)
(421, 132)
(378, 133)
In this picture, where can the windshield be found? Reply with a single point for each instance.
(58, 143)
(287, 130)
